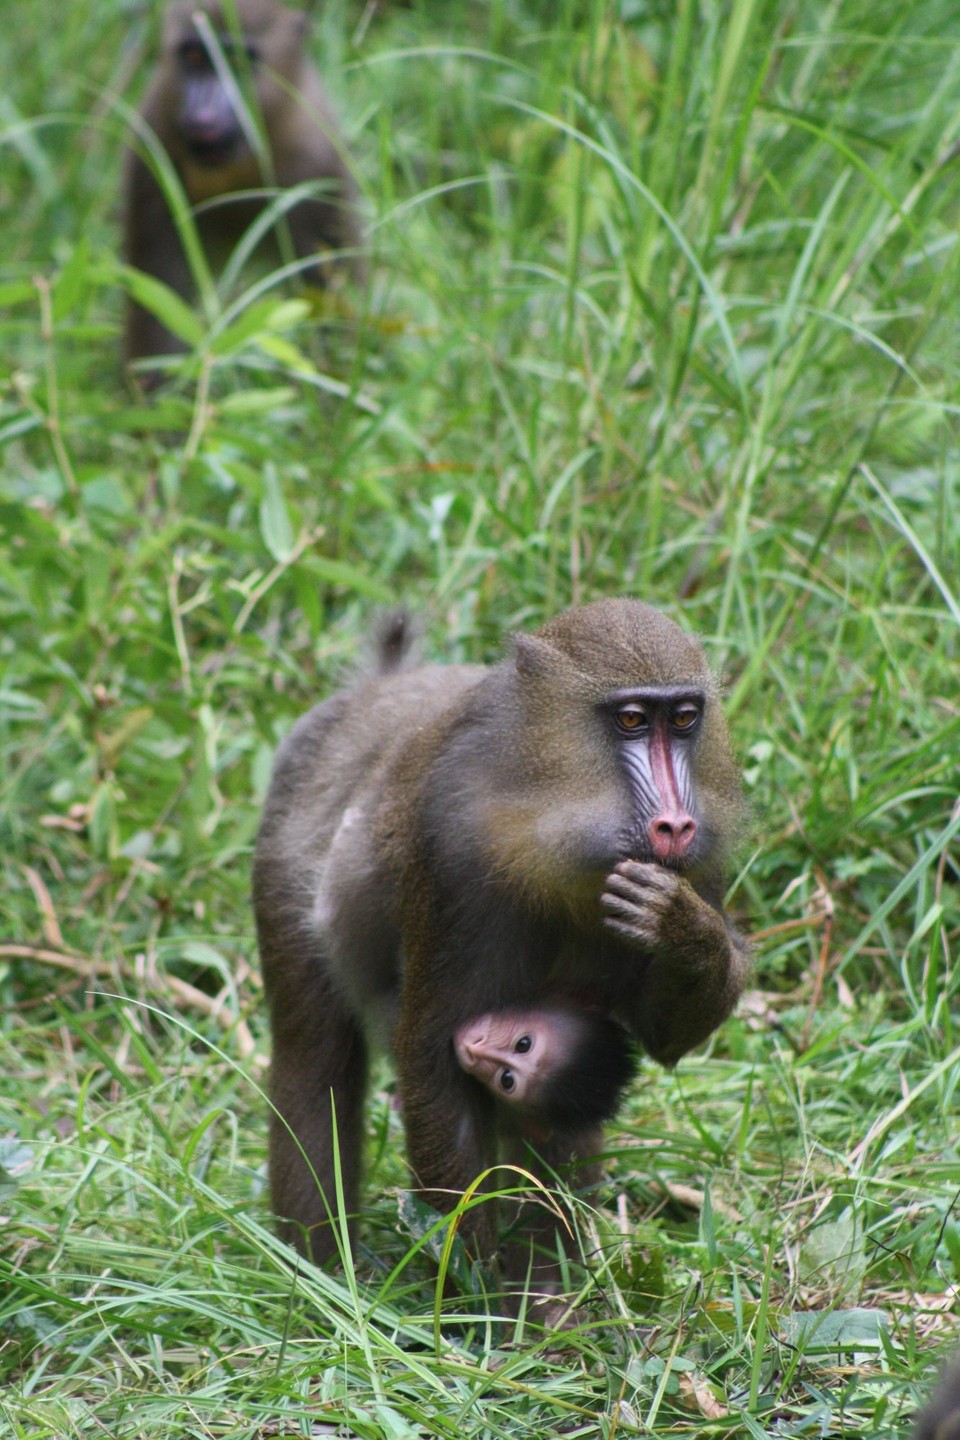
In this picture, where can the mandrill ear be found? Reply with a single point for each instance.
(535, 658)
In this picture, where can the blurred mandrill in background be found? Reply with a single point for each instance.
(246, 113)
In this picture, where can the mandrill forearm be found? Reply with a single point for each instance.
(694, 964)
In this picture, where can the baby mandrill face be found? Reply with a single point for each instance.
(516, 1053)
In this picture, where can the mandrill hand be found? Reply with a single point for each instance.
(639, 898)
(697, 964)
(658, 909)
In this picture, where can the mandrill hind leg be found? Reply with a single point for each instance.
(318, 1082)
(543, 1231)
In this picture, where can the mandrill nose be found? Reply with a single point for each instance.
(472, 1045)
(671, 833)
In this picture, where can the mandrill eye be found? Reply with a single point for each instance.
(685, 717)
(523, 1045)
(631, 718)
(193, 55)
(508, 1081)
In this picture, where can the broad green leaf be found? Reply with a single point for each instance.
(275, 524)
(165, 304)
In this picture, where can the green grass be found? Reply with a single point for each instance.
(664, 302)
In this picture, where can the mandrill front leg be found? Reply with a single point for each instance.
(696, 961)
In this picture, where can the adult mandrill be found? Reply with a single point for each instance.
(443, 842)
(940, 1418)
(195, 106)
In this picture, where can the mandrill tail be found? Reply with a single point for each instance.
(396, 642)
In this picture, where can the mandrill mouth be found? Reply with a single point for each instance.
(679, 864)
(214, 152)
(678, 857)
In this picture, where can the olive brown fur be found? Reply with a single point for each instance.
(940, 1417)
(443, 841)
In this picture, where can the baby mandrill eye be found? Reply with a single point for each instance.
(523, 1045)
(507, 1080)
